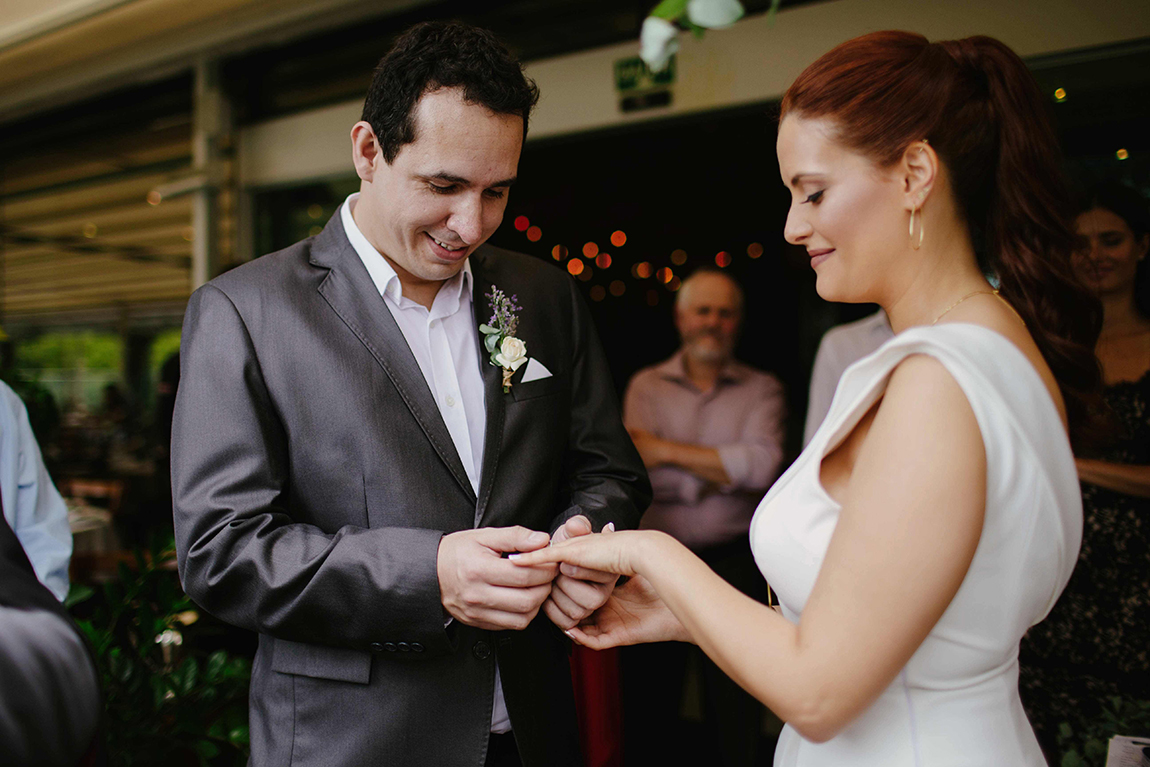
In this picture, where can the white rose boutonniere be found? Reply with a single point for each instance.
(507, 351)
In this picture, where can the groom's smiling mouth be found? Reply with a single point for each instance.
(450, 252)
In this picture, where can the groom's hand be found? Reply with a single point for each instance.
(577, 592)
(477, 586)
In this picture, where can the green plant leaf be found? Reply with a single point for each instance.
(78, 594)
(490, 343)
(186, 676)
(488, 330)
(240, 736)
(217, 662)
(671, 10)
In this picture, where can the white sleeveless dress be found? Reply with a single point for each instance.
(956, 701)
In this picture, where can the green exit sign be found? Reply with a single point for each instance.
(632, 74)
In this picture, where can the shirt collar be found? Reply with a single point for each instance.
(384, 276)
(675, 369)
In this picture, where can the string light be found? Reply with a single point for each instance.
(641, 270)
(155, 198)
(618, 288)
(590, 250)
(598, 293)
(603, 260)
(1122, 154)
(678, 257)
(674, 284)
(90, 230)
(575, 266)
(585, 275)
(665, 275)
(535, 234)
(1060, 95)
(521, 223)
(754, 250)
(722, 259)
(314, 210)
(559, 252)
(618, 238)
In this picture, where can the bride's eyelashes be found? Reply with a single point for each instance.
(814, 197)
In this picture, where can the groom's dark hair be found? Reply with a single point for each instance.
(443, 54)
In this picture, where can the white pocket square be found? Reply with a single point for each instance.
(535, 371)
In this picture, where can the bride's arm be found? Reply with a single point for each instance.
(911, 520)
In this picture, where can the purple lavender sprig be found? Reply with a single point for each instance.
(503, 312)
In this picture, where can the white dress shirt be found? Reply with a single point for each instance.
(840, 348)
(445, 343)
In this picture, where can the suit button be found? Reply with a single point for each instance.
(389, 646)
(482, 650)
(416, 647)
(376, 647)
(404, 647)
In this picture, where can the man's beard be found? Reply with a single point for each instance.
(706, 349)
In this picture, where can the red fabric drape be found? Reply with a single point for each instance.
(595, 676)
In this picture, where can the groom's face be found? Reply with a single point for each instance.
(445, 193)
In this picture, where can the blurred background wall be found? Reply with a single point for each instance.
(147, 145)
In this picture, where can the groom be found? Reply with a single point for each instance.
(350, 468)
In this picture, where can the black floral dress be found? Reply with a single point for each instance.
(1096, 641)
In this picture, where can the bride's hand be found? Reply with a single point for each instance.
(615, 552)
(632, 615)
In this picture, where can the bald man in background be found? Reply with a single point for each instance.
(711, 432)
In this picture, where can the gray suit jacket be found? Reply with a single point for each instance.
(313, 478)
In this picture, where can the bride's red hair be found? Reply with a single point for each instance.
(977, 104)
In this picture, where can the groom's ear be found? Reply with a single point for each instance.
(366, 152)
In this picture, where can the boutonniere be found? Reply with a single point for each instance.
(507, 351)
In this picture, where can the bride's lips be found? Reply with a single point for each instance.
(445, 253)
(818, 256)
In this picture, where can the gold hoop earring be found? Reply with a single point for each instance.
(921, 229)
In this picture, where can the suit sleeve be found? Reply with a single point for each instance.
(242, 555)
(605, 478)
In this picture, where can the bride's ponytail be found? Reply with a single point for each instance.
(979, 107)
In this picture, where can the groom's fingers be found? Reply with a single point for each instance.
(587, 574)
(504, 539)
(572, 528)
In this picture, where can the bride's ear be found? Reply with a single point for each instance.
(919, 171)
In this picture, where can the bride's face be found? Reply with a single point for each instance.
(845, 210)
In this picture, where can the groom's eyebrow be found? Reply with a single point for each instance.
(453, 179)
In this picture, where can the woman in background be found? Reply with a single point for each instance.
(1096, 642)
(935, 515)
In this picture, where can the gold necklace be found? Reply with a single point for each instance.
(959, 301)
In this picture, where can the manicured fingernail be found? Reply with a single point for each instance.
(569, 634)
(609, 527)
(514, 556)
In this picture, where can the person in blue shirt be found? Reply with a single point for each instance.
(32, 505)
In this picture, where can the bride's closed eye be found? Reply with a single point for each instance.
(815, 197)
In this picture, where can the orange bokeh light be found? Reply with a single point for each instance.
(664, 275)
(521, 223)
(642, 270)
(603, 260)
(575, 266)
(618, 238)
(598, 293)
(722, 259)
(590, 250)
(678, 257)
(754, 250)
(674, 284)
(559, 253)
(618, 288)
(535, 234)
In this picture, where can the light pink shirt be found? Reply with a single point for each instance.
(742, 416)
(445, 343)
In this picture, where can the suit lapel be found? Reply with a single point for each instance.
(351, 294)
(483, 279)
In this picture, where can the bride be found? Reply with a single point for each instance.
(936, 514)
